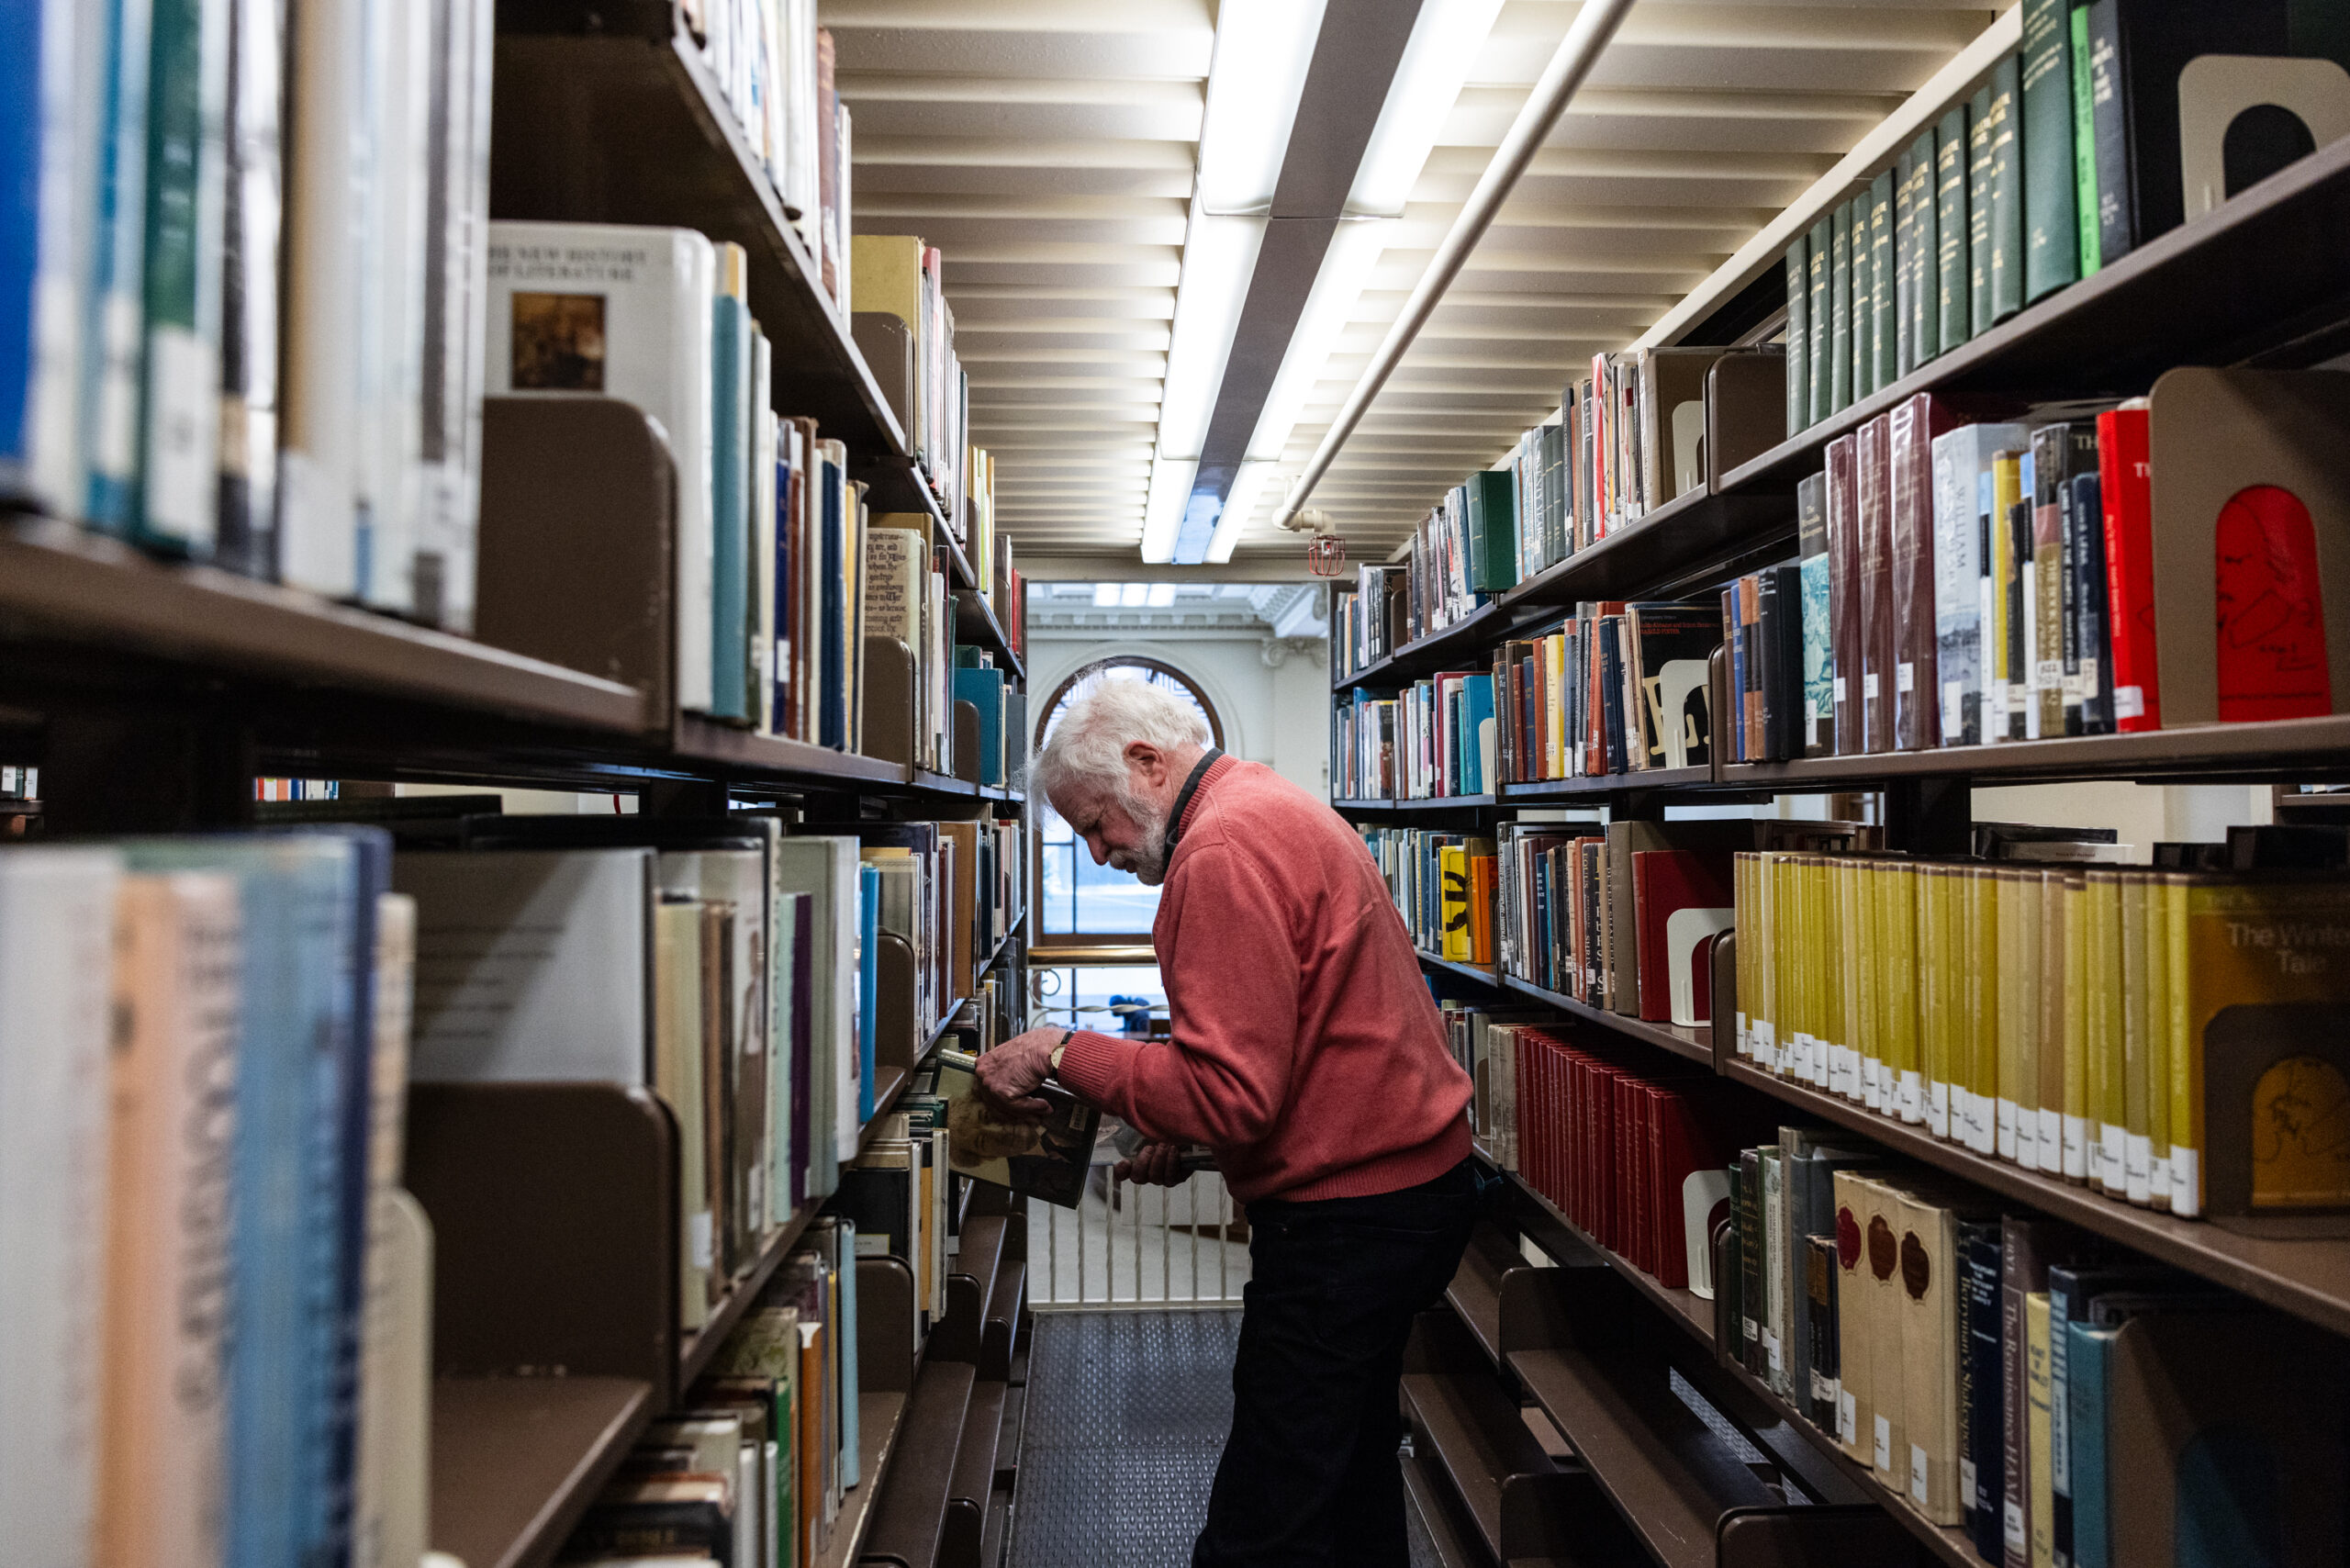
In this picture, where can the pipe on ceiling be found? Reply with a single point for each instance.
(1587, 37)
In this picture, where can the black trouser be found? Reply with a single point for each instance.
(1309, 1476)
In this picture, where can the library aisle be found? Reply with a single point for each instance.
(1780, 573)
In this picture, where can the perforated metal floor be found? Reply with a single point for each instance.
(1127, 1415)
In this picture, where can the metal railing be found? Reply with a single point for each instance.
(1131, 1244)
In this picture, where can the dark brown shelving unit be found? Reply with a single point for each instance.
(515, 1460)
(1420, 803)
(1693, 536)
(975, 622)
(1693, 1041)
(1482, 973)
(694, 1356)
(1682, 1309)
(1432, 652)
(880, 1419)
(1552, 790)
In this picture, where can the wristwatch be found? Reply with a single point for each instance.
(1061, 1049)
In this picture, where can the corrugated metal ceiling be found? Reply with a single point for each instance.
(1047, 146)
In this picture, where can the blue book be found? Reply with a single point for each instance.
(779, 656)
(2084, 1358)
(26, 29)
(1477, 709)
(1734, 635)
(983, 689)
(730, 645)
(113, 314)
(869, 983)
(292, 1317)
(1985, 1378)
(834, 695)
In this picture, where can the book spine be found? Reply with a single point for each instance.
(2006, 259)
(1986, 1419)
(1872, 493)
(2109, 106)
(1819, 667)
(1819, 319)
(730, 501)
(1775, 608)
(1905, 264)
(113, 330)
(1916, 695)
(2040, 1497)
(1839, 305)
(2093, 630)
(1978, 212)
(1797, 359)
(1925, 249)
(1884, 312)
(2084, 107)
(1954, 313)
(2052, 252)
(1957, 631)
(2086, 1351)
(245, 526)
(187, 85)
(1844, 594)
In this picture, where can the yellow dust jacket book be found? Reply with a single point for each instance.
(2017, 951)
(2055, 1003)
(2135, 991)
(1452, 867)
(2103, 995)
(2074, 1103)
(2261, 1037)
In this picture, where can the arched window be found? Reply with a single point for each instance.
(1080, 904)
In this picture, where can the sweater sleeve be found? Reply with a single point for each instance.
(1232, 970)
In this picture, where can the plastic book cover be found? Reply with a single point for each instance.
(1045, 1160)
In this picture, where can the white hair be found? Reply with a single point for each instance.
(1088, 747)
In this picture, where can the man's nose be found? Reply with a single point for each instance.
(1099, 851)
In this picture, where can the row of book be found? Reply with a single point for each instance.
(218, 1297)
(774, 66)
(2150, 1034)
(905, 330)
(1623, 917)
(730, 966)
(19, 783)
(1443, 886)
(242, 315)
(2057, 1399)
(1633, 1153)
(2117, 122)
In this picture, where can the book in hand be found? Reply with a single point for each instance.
(1045, 1160)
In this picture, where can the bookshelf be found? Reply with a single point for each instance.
(2258, 282)
(151, 692)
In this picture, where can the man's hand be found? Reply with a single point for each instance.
(1009, 1074)
(1160, 1164)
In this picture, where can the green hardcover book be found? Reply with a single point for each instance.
(1883, 319)
(1904, 264)
(175, 479)
(1493, 531)
(1798, 336)
(1925, 338)
(1839, 311)
(2052, 247)
(2084, 141)
(1978, 213)
(1953, 318)
(1864, 298)
(1819, 255)
(2007, 191)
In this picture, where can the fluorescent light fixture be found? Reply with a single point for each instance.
(1346, 269)
(1443, 49)
(1170, 491)
(1262, 50)
(1162, 596)
(1132, 594)
(1239, 508)
(1105, 595)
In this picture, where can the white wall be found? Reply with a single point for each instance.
(1280, 717)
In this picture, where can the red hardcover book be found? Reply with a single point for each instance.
(1686, 1144)
(1682, 901)
(2125, 493)
(1874, 530)
(1913, 424)
(1639, 1131)
(1844, 593)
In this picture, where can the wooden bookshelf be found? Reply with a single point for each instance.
(1420, 803)
(1482, 974)
(1554, 790)
(880, 1419)
(694, 1356)
(515, 1460)
(1683, 1309)
(1434, 651)
(1694, 537)
(975, 622)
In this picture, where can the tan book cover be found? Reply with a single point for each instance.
(677, 1077)
(1886, 1438)
(1856, 1408)
(173, 1085)
(1929, 1274)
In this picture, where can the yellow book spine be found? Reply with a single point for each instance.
(1974, 992)
(2107, 1129)
(2048, 1095)
(1848, 933)
(1749, 918)
(2158, 974)
(1767, 962)
(2181, 1057)
(1452, 867)
(2135, 993)
(2039, 1386)
(1901, 988)
(1933, 994)
(1554, 666)
(1803, 1028)
(2012, 997)
(2072, 1102)
(1868, 941)
(2027, 982)
(1823, 960)
(2001, 681)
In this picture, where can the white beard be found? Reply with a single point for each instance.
(1147, 864)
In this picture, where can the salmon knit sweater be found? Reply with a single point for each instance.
(1307, 1051)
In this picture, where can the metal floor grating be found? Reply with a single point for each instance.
(1126, 1416)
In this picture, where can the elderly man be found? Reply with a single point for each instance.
(1309, 1055)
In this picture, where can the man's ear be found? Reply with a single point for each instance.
(1147, 758)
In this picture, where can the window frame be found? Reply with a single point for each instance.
(1075, 944)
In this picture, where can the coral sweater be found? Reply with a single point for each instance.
(1307, 1051)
